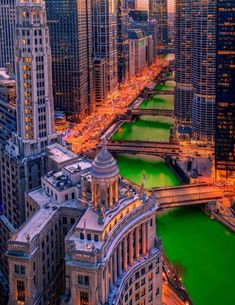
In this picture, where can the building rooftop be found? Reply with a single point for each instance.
(60, 154)
(48, 207)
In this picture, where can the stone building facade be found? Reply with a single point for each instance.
(103, 228)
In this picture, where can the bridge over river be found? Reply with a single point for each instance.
(160, 149)
(187, 195)
(155, 112)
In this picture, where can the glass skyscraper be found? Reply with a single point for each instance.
(72, 63)
(225, 90)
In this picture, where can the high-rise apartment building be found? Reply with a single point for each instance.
(7, 33)
(105, 38)
(122, 25)
(204, 69)
(23, 158)
(72, 63)
(183, 60)
(161, 17)
(84, 213)
(225, 90)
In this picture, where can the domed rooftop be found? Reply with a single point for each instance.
(104, 165)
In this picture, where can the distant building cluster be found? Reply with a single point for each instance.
(74, 232)
(90, 47)
(205, 76)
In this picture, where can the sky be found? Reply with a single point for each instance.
(170, 5)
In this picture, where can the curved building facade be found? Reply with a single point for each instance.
(183, 60)
(204, 69)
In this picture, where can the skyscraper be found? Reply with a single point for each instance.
(7, 33)
(225, 90)
(204, 69)
(105, 39)
(23, 158)
(183, 60)
(72, 63)
(162, 23)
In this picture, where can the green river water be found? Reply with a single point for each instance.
(159, 102)
(145, 128)
(154, 169)
(203, 252)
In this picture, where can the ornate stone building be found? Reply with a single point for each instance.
(111, 253)
(109, 233)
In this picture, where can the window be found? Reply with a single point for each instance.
(157, 270)
(150, 276)
(88, 236)
(142, 281)
(150, 266)
(19, 269)
(137, 285)
(142, 271)
(81, 235)
(80, 279)
(83, 279)
(137, 275)
(96, 237)
(137, 296)
(157, 291)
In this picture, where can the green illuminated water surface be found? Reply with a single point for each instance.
(203, 252)
(154, 169)
(168, 85)
(145, 128)
(158, 102)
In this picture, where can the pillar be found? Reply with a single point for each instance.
(137, 242)
(125, 253)
(107, 286)
(147, 237)
(131, 252)
(110, 196)
(116, 191)
(120, 259)
(115, 266)
(144, 248)
(111, 273)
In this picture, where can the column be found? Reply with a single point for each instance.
(110, 196)
(131, 252)
(144, 248)
(115, 266)
(111, 273)
(125, 254)
(116, 191)
(107, 282)
(120, 259)
(137, 242)
(147, 237)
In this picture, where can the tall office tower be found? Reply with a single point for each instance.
(204, 69)
(183, 60)
(225, 91)
(23, 159)
(149, 28)
(72, 63)
(162, 23)
(122, 25)
(141, 5)
(7, 33)
(104, 24)
(83, 213)
(7, 105)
